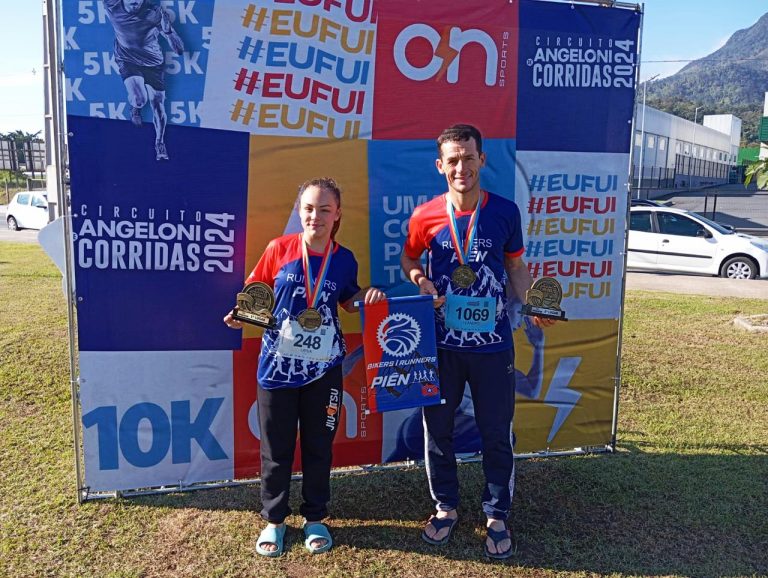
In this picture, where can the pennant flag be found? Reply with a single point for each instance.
(400, 353)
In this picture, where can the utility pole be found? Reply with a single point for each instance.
(642, 137)
(693, 145)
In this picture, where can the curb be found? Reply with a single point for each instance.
(753, 323)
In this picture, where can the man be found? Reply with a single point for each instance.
(475, 247)
(140, 59)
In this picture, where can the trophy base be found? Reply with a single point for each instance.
(546, 312)
(261, 318)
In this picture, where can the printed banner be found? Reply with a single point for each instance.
(156, 418)
(292, 69)
(400, 353)
(576, 205)
(191, 125)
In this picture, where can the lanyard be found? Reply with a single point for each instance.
(315, 287)
(463, 252)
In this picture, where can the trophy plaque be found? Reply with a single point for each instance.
(254, 305)
(543, 299)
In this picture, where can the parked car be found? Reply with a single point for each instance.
(27, 210)
(665, 239)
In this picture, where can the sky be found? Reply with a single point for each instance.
(674, 32)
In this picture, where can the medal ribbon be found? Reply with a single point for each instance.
(313, 288)
(462, 252)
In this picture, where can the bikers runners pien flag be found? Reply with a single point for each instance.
(400, 353)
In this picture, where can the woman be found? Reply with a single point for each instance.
(300, 373)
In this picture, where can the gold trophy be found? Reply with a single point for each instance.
(543, 299)
(254, 305)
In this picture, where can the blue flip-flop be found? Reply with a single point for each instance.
(270, 535)
(497, 536)
(317, 531)
(439, 524)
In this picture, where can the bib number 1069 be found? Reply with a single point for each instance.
(472, 314)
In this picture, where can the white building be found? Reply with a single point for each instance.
(680, 153)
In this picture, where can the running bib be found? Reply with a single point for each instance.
(298, 343)
(470, 313)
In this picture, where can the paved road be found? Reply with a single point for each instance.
(698, 285)
(24, 236)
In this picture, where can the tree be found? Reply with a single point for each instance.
(758, 170)
(20, 136)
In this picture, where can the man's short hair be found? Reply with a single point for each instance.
(459, 133)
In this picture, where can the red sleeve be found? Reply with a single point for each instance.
(265, 269)
(414, 242)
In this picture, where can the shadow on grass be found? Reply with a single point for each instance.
(736, 449)
(632, 513)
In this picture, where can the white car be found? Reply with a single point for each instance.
(28, 210)
(665, 239)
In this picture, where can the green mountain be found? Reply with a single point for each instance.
(731, 80)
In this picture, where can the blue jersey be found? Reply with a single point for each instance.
(499, 235)
(136, 33)
(281, 268)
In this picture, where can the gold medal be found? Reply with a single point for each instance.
(463, 276)
(310, 319)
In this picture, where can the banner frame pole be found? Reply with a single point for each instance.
(620, 344)
(183, 488)
(54, 120)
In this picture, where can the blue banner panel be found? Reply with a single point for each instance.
(395, 191)
(159, 247)
(576, 77)
(105, 45)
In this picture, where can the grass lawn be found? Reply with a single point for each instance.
(686, 494)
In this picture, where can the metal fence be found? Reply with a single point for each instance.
(690, 166)
(653, 178)
(687, 173)
(745, 209)
(696, 172)
(17, 183)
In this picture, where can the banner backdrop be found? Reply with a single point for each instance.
(185, 161)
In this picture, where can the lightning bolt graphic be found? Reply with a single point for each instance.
(445, 52)
(559, 396)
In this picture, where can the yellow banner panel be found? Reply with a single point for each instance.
(277, 168)
(569, 404)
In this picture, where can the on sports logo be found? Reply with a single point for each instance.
(446, 52)
(399, 334)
